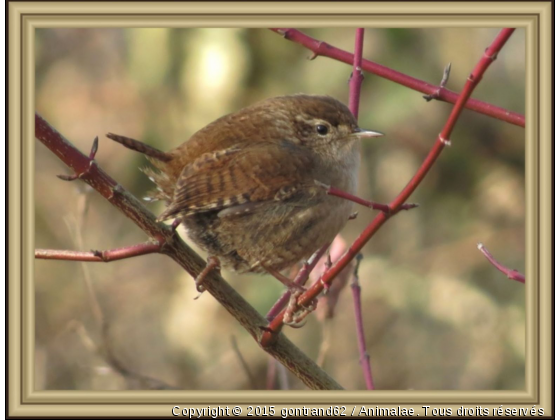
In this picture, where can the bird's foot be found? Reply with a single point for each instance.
(212, 263)
(295, 313)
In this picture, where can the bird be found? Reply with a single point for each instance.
(249, 187)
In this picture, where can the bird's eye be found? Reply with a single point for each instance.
(322, 129)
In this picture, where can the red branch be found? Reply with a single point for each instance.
(357, 76)
(364, 356)
(442, 141)
(320, 48)
(510, 273)
(354, 104)
(99, 256)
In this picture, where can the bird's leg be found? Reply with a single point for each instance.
(292, 287)
(294, 313)
(213, 263)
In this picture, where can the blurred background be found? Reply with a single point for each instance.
(437, 315)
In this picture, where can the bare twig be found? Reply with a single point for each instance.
(320, 48)
(357, 75)
(510, 273)
(99, 256)
(442, 84)
(271, 374)
(366, 203)
(440, 143)
(355, 84)
(244, 364)
(364, 356)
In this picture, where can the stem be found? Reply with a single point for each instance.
(357, 76)
(354, 102)
(510, 273)
(320, 48)
(364, 356)
(381, 218)
(99, 256)
(369, 204)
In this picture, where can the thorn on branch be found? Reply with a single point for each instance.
(68, 177)
(328, 265)
(361, 73)
(328, 262)
(116, 189)
(99, 254)
(359, 259)
(491, 57)
(443, 83)
(315, 52)
(446, 142)
(283, 32)
(94, 148)
(408, 206)
(92, 153)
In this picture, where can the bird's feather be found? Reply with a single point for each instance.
(220, 180)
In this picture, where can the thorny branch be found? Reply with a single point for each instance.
(441, 142)
(320, 48)
(510, 273)
(354, 101)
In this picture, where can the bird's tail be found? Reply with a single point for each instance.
(141, 147)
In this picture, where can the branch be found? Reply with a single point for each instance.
(510, 273)
(99, 256)
(443, 140)
(364, 356)
(87, 170)
(354, 100)
(320, 48)
(366, 203)
(357, 75)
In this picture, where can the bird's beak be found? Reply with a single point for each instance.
(365, 134)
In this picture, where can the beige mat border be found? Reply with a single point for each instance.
(535, 17)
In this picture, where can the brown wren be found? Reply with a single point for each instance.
(247, 186)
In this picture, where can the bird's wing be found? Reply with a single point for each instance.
(238, 177)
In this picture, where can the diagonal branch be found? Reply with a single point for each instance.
(320, 48)
(284, 350)
(441, 142)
